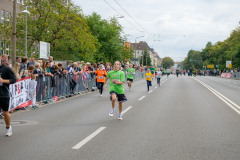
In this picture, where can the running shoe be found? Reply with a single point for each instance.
(9, 131)
(101, 95)
(129, 89)
(120, 116)
(111, 112)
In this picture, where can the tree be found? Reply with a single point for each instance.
(64, 27)
(167, 62)
(144, 55)
(110, 43)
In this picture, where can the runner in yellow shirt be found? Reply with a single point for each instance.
(148, 76)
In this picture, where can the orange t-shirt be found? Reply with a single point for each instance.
(100, 75)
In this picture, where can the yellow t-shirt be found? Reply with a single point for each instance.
(148, 76)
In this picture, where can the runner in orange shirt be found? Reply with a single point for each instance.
(101, 74)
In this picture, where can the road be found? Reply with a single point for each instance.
(187, 118)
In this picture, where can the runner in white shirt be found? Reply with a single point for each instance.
(159, 74)
(168, 72)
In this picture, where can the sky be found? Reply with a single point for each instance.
(170, 27)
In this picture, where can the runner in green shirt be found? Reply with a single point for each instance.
(116, 90)
(130, 76)
(152, 70)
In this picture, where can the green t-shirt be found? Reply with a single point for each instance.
(119, 76)
(48, 70)
(130, 73)
(152, 70)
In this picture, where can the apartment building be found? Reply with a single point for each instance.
(6, 10)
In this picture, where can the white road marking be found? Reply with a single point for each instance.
(141, 98)
(127, 109)
(222, 97)
(91, 136)
(156, 87)
(150, 91)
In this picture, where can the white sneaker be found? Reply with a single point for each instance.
(120, 116)
(111, 112)
(9, 132)
(101, 95)
(129, 89)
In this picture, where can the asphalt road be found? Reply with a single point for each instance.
(187, 118)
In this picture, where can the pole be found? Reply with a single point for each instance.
(142, 56)
(26, 37)
(135, 51)
(14, 33)
(146, 55)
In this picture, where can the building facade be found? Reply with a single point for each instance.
(139, 50)
(6, 8)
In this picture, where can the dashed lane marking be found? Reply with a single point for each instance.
(127, 109)
(150, 91)
(141, 98)
(87, 139)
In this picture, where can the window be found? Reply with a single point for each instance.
(2, 46)
(8, 17)
(7, 48)
(2, 16)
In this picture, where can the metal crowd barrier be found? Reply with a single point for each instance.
(236, 75)
(51, 89)
(54, 88)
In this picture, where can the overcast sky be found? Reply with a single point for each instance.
(176, 25)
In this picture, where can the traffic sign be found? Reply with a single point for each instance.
(210, 66)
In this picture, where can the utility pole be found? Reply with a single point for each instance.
(146, 54)
(14, 34)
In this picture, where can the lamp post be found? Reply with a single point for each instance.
(27, 12)
(136, 46)
(14, 33)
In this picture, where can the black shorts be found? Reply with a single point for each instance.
(120, 97)
(4, 104)
(128, 79)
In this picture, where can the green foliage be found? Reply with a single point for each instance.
(217, 54)
(144, 56)
(110, 43)
(167, 62)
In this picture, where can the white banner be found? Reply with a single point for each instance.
(19, 96)
(44, 50)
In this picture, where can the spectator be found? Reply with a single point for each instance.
(32, 62)
(29, 71)
(38, 71)
(32, 91)
(19, 60)
(16, 68)
(60, 65)
(51, 61)
(82, 63)
(5, 58)
(23, 65)
(40, 63)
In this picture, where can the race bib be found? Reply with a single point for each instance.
(148, 76)
(129, 72)
(100, 77)
(115, 80)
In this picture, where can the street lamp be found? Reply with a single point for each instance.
(27, 12)
(120, 17)
(136, 46)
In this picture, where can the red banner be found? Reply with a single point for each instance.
(226, 75)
